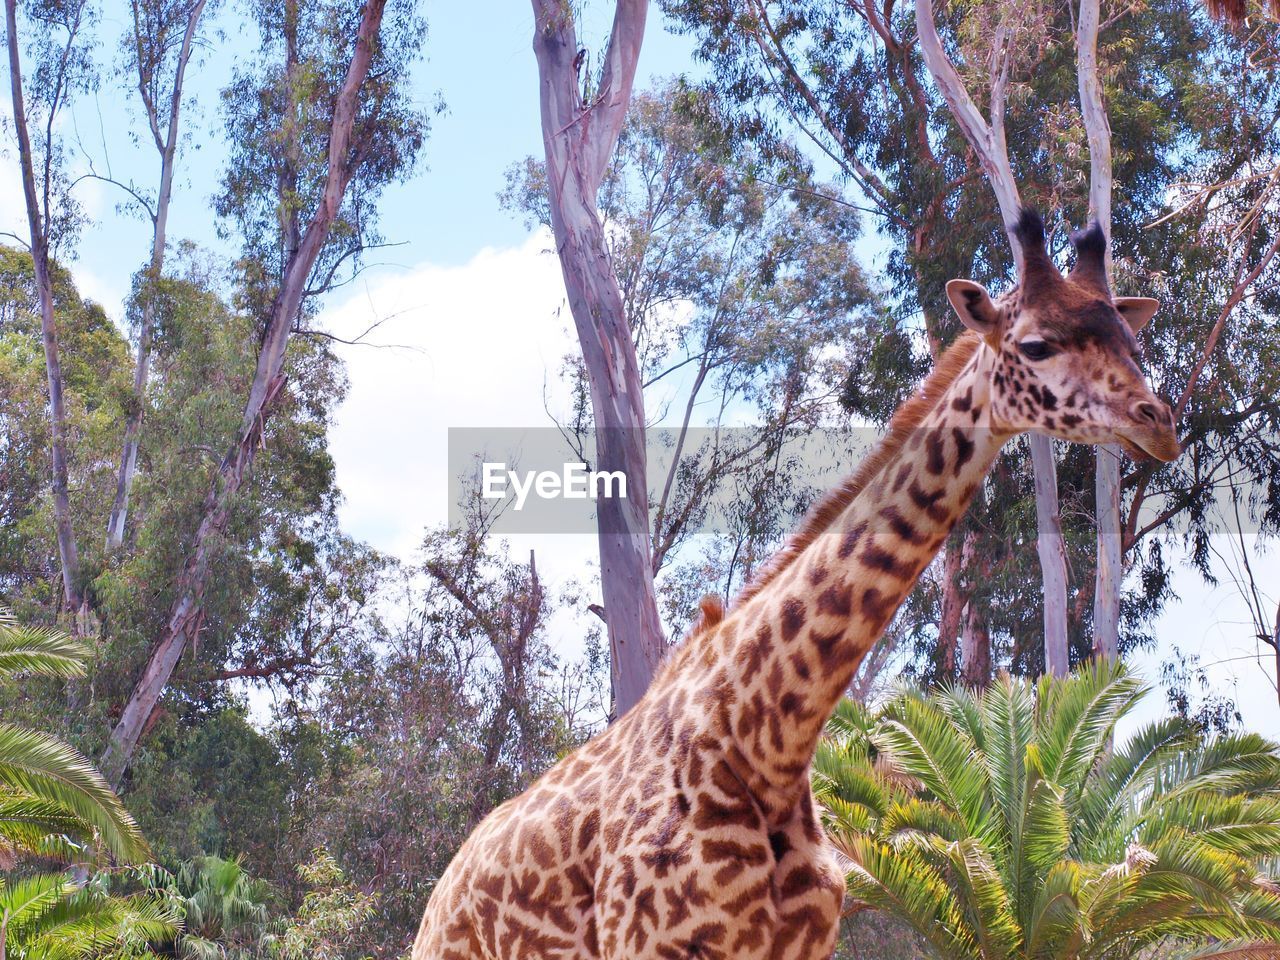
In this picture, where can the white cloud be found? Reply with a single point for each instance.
(482, 343)
(109, 295)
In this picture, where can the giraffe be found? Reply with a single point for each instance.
(687, 829)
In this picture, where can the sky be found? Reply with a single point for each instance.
(473, 321)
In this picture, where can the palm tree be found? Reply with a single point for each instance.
(225, 911)
(1003, 824)
(55, 805)
(52, 800)
(49, 916)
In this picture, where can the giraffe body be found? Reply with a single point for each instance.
(608, 871)
(688, 829)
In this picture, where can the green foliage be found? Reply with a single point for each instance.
(1188, 105)
(49, 916)
(51, 797)
(289, 583)
(96, 369)
(333, 911)
(748, 306)
(447, 709)
(1005, 824)
(225, 912)
(210, 783)
(55, 806)
(278, 110)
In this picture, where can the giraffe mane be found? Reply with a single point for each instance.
(827, 510)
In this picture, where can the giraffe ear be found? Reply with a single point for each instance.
(1136, 310)
(973, 305)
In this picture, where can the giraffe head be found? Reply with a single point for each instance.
(1065, 352)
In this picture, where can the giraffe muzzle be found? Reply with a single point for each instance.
(1150, 431)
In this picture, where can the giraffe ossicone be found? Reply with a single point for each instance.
(687, 828)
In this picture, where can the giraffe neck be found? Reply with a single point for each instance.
(794, 647)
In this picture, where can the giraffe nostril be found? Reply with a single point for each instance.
(1149, 413)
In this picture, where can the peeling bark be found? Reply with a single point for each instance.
(954, 599)
(579, 139)
(975, 653)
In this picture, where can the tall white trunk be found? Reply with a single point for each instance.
(1106, 596)
(168, 149)
(68, 554)
(579, 139)
(988, 141)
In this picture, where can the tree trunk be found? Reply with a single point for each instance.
(1053, 556)
(579, 139)
(1110, 562)
(988, 141)
(975, 652)
(975, 636)
(1110, 572)
(168, 148)
(67, 552)
(954, 598)
(185, 616)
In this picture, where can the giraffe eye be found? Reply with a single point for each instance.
(1035, 349)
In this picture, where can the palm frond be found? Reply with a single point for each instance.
(919, 739)
(88, 923)
(1004, 826)
(904, 884)
(1077, 717)
(42, 767)
(25, 899)
(39, 651)
(1122, 778)
(1057, 927)
(987, 902)
(1230, 951)
(1008, 711)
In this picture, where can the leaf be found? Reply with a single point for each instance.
(44, 768)
(1077, 718)
(39, 651)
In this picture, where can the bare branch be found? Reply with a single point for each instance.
(143, 201)
(991, 148)
(1211, 342)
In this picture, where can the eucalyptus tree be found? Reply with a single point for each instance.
(450, 703)
(581, 121)
(1185, 101)
(96, 370)
(1093, 113)
(747, 308)
(319, 129)
(158, 50)
(62, 68)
